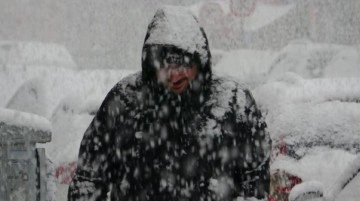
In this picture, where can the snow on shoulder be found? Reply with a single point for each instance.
(22, 119)
(176, 25)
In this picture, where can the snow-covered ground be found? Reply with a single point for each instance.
(316, 113)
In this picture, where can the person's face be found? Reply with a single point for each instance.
(176, 78)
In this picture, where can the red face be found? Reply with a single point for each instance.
(176, 78)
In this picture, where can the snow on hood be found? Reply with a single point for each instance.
(351, 178)
(320, 164)
(176, 25)
(307, 112)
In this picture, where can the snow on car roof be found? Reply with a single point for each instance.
(351, 178)
(309, 112)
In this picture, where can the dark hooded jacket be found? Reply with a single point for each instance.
(145, 143)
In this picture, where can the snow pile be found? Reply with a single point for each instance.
(345, 63)
(331, 123)
(21, 119)
(169, 29)
(72, 113)
(24, 64)
(39, 90)
(341, 185)
(302, 58)
(64, 97)
(43, 86)
(307, 191)
(316, 164)
(307, 112)
(35, 53)
(348, 180)
(30, 97)
(248, 66)
(70, 121)
(293, 89)
(351, 191)
(313, 60)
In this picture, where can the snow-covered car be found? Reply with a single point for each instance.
(346, 186)
(305, 58)
(23, 66)
(301, 89)
(41, 78)
(314, 124)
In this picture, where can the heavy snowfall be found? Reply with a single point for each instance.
(300, 59)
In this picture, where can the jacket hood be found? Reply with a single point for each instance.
(177, 28)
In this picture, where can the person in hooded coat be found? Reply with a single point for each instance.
(174, 131)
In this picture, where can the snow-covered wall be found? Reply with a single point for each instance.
(22, 119)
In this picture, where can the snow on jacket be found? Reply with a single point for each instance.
(208, 143)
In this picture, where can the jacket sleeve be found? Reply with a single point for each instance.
(257, 151)
(256, 148)
(96, 155)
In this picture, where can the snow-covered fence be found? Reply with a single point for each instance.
(22, 165)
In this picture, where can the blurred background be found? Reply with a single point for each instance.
(110, 33)
(98, 34)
